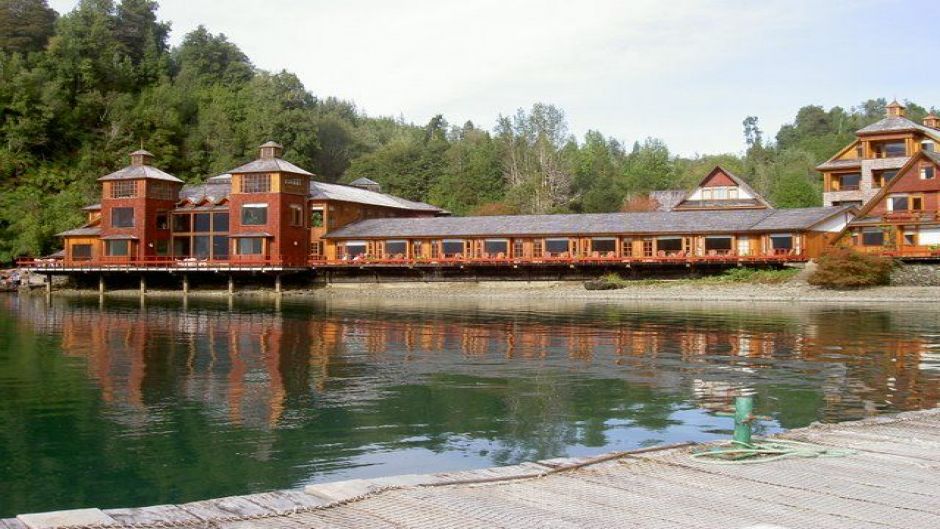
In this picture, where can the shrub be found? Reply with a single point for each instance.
(843, 267)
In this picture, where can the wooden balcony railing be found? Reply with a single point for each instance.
(163, 263)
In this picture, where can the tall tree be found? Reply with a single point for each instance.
(25, 25)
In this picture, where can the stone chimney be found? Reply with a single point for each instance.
(932, 121)
(141, 157)
(271, 150)
(895, 109)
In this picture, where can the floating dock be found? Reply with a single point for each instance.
(892, 480)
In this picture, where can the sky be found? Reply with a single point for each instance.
(685, 71)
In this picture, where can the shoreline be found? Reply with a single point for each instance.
(662, 290)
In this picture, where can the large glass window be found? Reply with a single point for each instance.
(81, 252)
(118, 248)
(181, 246)
(849, 181)
(452, 247)
(396, 249)
(781, 241)
(250, 246)
(494, 247)
(603, 245)
(556, 246)
(899, 203)
(219, 247)
(220, 222)
(201, 246)
(669, 244)
(201, 222)
(873, 237)
(122, 217)
(181, 223)
(254, 214)
(894, 149)
(927, 172)
(718, 244)
(354, 249)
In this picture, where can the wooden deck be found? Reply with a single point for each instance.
(892, 481)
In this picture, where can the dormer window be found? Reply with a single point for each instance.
(927, 172)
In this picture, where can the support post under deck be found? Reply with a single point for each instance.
(100, 284)
(231, 284)
(185, 284)
(48, 284)
(143, 284)
(277, 283)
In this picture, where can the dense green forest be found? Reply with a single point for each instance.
(81, 90)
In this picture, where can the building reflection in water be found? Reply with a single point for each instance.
(245, 365)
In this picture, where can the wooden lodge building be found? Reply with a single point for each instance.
(270, 215)
(858, 172)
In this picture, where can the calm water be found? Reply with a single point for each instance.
(122, 405)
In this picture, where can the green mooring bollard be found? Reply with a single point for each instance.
(743, 408)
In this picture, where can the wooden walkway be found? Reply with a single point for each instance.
(892, 481)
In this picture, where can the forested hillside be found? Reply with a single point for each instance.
(80, 91)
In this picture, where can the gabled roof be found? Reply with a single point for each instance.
(134, 172)
(270, 165)
(757, 201)
(870, 205)
(651, 222)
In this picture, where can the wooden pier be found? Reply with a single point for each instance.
(891, 481)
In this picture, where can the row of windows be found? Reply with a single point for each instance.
(198, 246)
(557, 247)
(251, 215)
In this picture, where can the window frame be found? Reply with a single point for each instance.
(245, 207)
(123, 209)
(123, 189)
(256, 183)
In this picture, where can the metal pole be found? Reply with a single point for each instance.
(743, 408)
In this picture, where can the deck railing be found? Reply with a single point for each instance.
(164, 263)
(160, 263)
